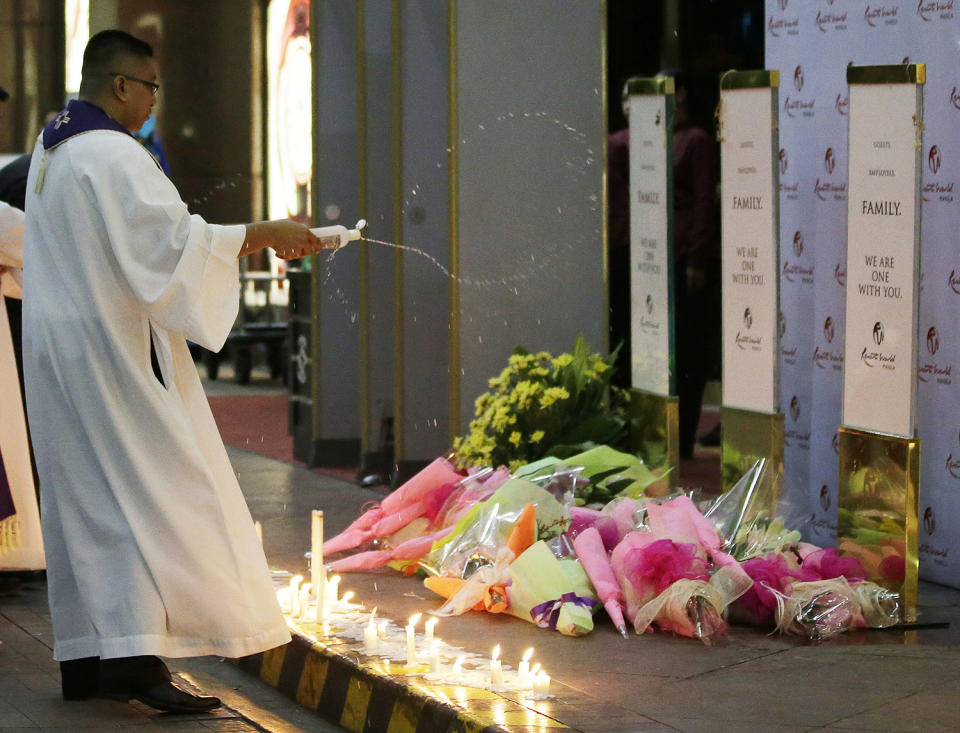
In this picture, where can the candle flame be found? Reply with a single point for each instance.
(536, 668)
(373, 617)
(335, 579)
(414, 619)
(295, 581)
(431, 622)
(345, 598)
(496, 653)
(458, 664)
(527, 654)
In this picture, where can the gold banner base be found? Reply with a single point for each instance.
(749, 436)
(655, 429)
(879, 486)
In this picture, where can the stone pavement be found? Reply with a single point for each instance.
(30, 699)
(892, 680)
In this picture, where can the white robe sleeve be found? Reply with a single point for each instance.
(183, 270)
(11, 250)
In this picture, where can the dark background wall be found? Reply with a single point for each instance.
(31, 68)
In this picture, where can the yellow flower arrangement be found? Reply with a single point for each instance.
(543, 405)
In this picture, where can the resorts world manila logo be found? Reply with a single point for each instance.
(828, 357)
(953, 464)
(793, 106)
(831, 20)
(930, 369)
(822, 187)
(875, 357)
(785, 24)
(931, 10)
(794, 272)
(790, 189)
(744, 340)
(929, 520)
(942, 190)
(649, 325)
(881, 15)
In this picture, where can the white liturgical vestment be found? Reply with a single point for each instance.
(21, 545)
(150, 545)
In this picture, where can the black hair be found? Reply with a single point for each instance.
(104, 48)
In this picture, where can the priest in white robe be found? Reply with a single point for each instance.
(150, 546)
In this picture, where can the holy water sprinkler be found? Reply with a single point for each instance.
(338, 236)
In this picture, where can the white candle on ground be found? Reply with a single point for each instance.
(283, 598)
(295, 582)
(412, 640)
(428, 629)
(370, 640)
(318, 572)
(304, 600)
(541, 684)
(332, 592)
(523, 671)
(496, 668)
(435, 657)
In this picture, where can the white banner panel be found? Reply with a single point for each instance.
(651, 241)
(751, 354)
(879, 382)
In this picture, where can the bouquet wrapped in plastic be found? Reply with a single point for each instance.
(550, 592)
(821, 609)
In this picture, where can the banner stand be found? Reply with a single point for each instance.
(655, 428)
(654, 407)
(878, 507)
(748, 436)
(879, 461)
(752, 423)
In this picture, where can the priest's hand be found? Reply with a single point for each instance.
(288, 238)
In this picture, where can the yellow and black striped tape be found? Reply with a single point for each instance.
(367, 699)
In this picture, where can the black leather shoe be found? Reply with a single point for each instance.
(80, 678)
(148, 680)
(170, 698)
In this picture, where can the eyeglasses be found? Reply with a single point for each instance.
(155, 88)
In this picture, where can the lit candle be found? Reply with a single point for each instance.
(283, 598)
(347, 597)
(523, 672)
(458, 666)
(435, 657)
(318, 571)
(304, 600)
(541, 684)
(370, 640)
(533, 672)
(259, 528)
(428, 629)
(332, 592)
(412, 640)
(382, 630)
(295, 582)
(496, 669)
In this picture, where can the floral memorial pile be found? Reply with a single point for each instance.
(534, 515)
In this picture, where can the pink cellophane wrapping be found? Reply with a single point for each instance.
(592, 555)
